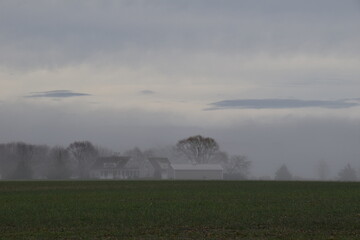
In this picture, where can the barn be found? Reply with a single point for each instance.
(196, 172)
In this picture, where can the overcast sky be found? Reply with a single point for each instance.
(277, 81)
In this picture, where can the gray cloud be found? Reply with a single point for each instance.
(282, 104)
(56, 94)
(91, 28)
(147, 92)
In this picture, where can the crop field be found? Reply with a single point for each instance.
(179, 210)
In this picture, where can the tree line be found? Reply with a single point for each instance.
(21, 160)
(347, 173)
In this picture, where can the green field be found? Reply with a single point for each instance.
(179, 210)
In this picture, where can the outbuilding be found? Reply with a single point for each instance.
(197, 171)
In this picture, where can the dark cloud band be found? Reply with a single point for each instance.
(147, 92)
(282, 104)
(56, 94)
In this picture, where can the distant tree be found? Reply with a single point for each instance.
(24, 153)
(170, 152)
(220, 157)
(283, 174)
(103, 151)
(198, 149)
(22, 171)
(348, 173)
(40, 161)
(8, 160)
(322, 170)
(59, 167)
(238, 167)
(22, 160)
(85, 154)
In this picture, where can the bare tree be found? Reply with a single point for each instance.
(238, 167)
(323, 170)
(283, 174)
(348, 173)
(60, 164)
(8, 160)
(24, 153)
(22, 160)
(220, 157)
(103, 151)
(170, 152)
(198, 149)
(85, 154)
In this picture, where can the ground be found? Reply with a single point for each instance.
(179, 210)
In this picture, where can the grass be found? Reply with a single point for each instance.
(179, 210)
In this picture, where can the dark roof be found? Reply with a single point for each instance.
(160, 163)
(110, 162)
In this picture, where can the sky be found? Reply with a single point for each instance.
(277, 81)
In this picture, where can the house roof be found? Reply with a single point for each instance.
(160, 163)
(110, 162)
(202, 167)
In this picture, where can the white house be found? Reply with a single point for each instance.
(196, 171)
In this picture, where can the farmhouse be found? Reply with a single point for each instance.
(113, 167)
(162, 168)
(196, 172)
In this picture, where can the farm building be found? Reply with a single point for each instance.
(196, 172)
(113, 167)
(161, 167)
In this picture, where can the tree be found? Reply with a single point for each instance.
(22, 171)
(59, 167)
(220, 157)
(103, 151)
(323, 170)
(198, 149)
(283, 174)
(8, 160)
(24, 153)
(84, 153)
(347, 173)
(170, 152)
(237, 167)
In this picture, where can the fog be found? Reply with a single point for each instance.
(299, 142)
(275, 81)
